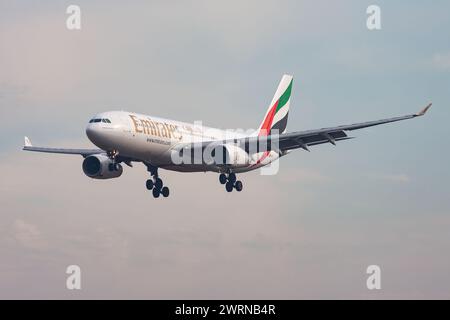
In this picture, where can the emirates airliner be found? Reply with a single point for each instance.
(127, 137)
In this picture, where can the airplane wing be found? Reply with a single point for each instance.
(83, 152)
(303, 139)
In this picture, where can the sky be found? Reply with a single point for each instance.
(310, 231)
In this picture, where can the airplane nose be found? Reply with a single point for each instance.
(91, 132)
(102, 132)
(95, 133)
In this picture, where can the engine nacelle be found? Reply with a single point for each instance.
(231, 155)
(99, 166)
(264, 158)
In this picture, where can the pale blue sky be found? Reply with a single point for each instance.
(309, 232)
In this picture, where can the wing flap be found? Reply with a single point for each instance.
(303, 141)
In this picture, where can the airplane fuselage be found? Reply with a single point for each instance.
(152, 139)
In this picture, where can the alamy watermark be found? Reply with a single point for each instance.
(374, 19)
(373, 282)
(236, 148)
(73, 21)
(73, 281)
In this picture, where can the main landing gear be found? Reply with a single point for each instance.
(156, 184)
(230, 182)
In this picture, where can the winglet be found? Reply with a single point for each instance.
(424, 110)
(27, 142)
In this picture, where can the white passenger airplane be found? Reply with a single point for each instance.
(160, 143)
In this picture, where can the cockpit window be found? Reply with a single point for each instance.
(99, 120)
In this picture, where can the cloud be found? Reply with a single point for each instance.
(441, 61)
(303, 175)
(28, 235)
(116, 230)
(11, 91)
(395, 178)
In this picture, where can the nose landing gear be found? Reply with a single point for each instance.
(230, 182)
(114, 165)
(156, 184)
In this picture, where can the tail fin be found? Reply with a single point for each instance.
(277, 115)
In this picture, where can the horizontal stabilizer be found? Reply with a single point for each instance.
(27, 142)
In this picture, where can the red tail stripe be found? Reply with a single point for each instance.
(267, 124)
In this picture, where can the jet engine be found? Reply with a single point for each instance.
(231, 155)
(99, 166)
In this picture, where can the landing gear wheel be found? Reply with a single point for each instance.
(222, 178)
(232, 178)
(238, 185)
(149, 184)
(229, 186)
(165, 192)
(155, 184)
(158, 183)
